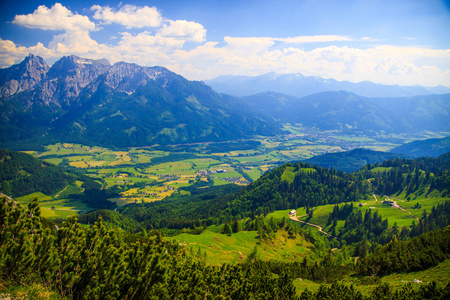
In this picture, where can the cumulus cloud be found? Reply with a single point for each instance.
(129, 16)
(10, 53)
(255, 56)
(146, 39)
(190, 31)
(74, 42)
(57, 17)
(164, 44)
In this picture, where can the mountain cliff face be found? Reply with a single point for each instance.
(93, 102)
(23, 76)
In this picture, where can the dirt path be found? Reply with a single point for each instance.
(397, 199)
(375, 197)
(57, 195)
(295, 218)
(63, 209)
(404, 210)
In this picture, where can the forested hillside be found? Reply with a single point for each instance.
(423, 175)
(351, 161)
(286, 187)
(291, 186)
(122, 254)
(97, 263)
(201, 207)
(22, 174)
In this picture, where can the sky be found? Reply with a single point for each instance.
(397, 42)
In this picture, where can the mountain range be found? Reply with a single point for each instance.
(350, 112)
(93, 102)
(298, 85)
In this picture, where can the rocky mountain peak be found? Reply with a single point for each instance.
(69, 75)
(127, 77)
(23, 76)
(75, 66)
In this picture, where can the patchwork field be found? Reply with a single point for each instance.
(151, 174)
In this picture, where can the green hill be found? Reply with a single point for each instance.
(24, 177)
(429, 147)
(22, 174)
(351, 161)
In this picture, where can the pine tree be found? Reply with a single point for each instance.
(235, 227)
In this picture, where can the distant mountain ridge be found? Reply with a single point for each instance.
(349, 112)
(93, 102)
(299, 85)
(428, 147)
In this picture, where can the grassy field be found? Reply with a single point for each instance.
(55, 208)
(403, 216)
(221, 248)
(438, 274)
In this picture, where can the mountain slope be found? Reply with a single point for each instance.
(429, 147)
(350, 112)
(90, 101)
(350, 161)
(300, 86)
(22, 174)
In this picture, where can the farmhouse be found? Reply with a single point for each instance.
(292, 212)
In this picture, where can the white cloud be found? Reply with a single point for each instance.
(165, 46)
(74, 42)
(129, 16)
(190, 31)
(10, 53)
(314, 39)
(255, 56)
(146, 39)
(56, 18)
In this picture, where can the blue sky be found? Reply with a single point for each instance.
(391, 42)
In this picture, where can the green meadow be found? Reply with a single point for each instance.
(221, 248)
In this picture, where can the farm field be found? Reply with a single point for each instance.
(150, 173)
